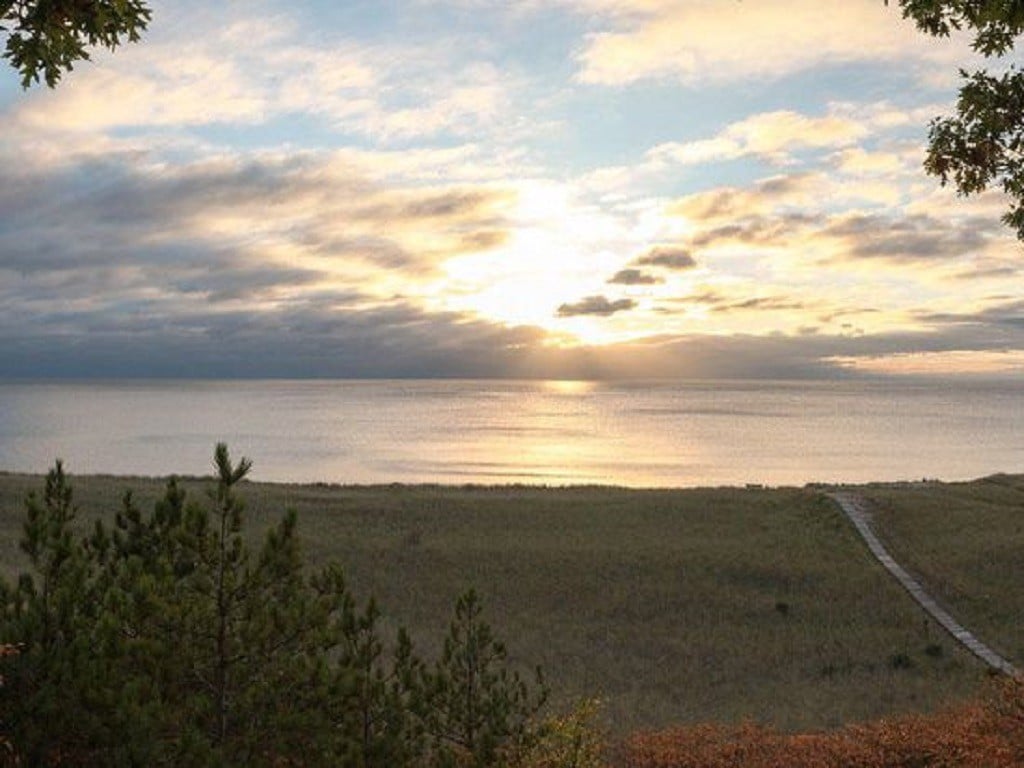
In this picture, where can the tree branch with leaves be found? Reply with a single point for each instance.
(46, 38)
(982, 145)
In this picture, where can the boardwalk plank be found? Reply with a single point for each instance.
(857, 512)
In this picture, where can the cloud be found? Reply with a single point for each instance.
(839, 239)
(216, 67)
(769, 135)
(338, 334)
(281, 206)
(911, 238)
(990, 272)
(667, 257)
(857, 161)
(952, 362)
(863, 142)
(358, 203)
(723, 302)
(1002, 314)
(633, 277)
(595, 305)
(397, 342)
(986, 341)
(762, 230)
(434, 205)
(702, 42)
(839, 220)
(123, 252)
(792, 191)
(762, 304)
(325, 337)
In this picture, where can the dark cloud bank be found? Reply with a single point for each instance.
(323, 341)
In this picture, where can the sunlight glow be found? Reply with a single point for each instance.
(569, 386)
(939, 363)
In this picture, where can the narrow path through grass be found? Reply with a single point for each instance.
(856, 509)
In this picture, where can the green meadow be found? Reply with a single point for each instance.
(671, 606)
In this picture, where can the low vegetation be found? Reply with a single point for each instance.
(964, 542)
(185, 636)
(165, 640)
(671, 606)
(985, 734)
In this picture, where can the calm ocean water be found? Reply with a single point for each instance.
(651, 434)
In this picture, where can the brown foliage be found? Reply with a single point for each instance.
(989, 734)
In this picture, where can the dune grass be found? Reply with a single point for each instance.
(965, 542)
(673, 606)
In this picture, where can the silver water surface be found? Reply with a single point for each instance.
(650, 434)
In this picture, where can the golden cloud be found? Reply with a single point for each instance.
(708, 41)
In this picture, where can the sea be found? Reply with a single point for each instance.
(639, 434)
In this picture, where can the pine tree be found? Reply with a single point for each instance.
(478, 712)
(251, 636)
(65, 679)
(164, 640)
(380, 711)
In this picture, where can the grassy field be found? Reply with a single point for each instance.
(672, 606)
(965, 542)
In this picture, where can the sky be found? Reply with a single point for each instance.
(575, 189)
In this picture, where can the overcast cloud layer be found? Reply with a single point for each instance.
(574, 189)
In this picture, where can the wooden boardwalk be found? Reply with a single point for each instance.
(856, 509)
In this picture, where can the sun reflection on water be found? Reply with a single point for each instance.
(569, 387)
(554, 432)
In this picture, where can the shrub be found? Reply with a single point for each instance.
(933, 650)
(901, 661)
(989, 734)
(572, 740)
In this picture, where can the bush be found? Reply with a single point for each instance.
(934, 650)
(572, 740)
(989, 734)
(901, 661)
